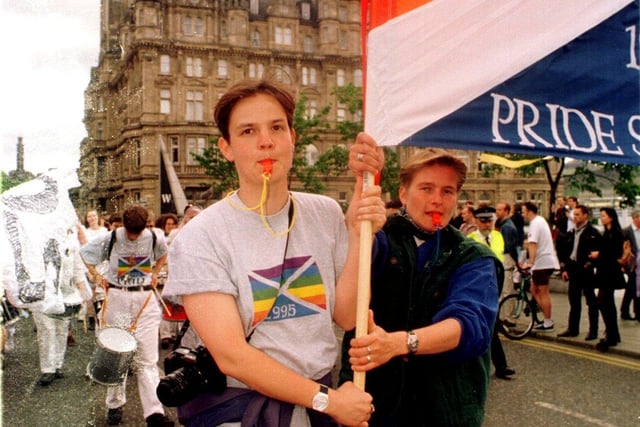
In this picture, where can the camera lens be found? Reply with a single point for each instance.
(179, 387)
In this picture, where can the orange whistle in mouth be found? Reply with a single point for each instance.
(437, 220)
(267, 166)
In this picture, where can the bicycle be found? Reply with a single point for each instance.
(519, 312)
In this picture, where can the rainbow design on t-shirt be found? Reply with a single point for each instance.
(139, 266)
(302, 294)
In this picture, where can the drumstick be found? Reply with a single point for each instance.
(155, 291)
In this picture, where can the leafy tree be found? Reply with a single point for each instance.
(589, 175)
(390, 175)
(13, 179)
(530, 170)
(351, 96)
(308, 129)
(223, 172)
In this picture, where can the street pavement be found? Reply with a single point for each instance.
(629, 329)
(76, 401)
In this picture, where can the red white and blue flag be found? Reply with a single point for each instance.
(540, 77)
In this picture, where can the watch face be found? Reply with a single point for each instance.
(320, 401)
(412, 342)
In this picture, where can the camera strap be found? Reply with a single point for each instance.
(284, 259)
(185, 324)
(183, 330)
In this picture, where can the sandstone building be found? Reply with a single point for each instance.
(164, 63)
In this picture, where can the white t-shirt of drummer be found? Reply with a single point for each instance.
(285, 300)
(131, 261)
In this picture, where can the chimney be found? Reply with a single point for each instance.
(20, 156)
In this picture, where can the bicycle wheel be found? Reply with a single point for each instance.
(515, 317)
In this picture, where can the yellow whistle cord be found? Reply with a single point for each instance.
(261, 206)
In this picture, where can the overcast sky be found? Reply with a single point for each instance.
(49, 47)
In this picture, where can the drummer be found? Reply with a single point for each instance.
(135, 259)
(52, 331)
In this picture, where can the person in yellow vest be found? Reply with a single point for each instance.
(485, 218)
(485, 233)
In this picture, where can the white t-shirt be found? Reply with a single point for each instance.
(92, 234)
(229, 250)
(131, 262)
(540, 234)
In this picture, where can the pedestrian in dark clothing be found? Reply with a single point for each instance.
(609, 276)
(518, 221)
(632, 235)
(577, 263)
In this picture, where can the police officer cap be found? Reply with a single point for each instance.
(485, 213)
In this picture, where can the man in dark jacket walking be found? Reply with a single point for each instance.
(577, 267)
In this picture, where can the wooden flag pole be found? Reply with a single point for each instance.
(364, 282)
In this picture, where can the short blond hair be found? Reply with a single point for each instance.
(432, 157)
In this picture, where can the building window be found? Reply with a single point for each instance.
(307, 44)
(342, 14)
(311, 154)
(255, 38)
(305, 10)
(288, 39)
(344, 40)
(175, 149)
(254, 6)
(193, 26)
(312, 109)
(100, 170)
(340, 80)
(99, 131)
(194, 105)
(194, 67)
(165, 64)
(357, 78)
(283, 36)
(195, 145)
(308, 76)
(341, 114)
(256, 71)
(283, 74)
(223, 68)
(519, 197)
(165, 101)
(223, 29)
(137, 154)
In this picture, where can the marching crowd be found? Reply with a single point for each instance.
(263, 274)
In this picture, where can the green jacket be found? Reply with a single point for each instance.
(431, 390)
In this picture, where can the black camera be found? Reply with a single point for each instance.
(189, 373)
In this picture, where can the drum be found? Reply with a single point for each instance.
(10, 314)
(72, 306)
(177, 312)
(112, 357)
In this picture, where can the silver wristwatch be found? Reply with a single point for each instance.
(321, 399)
(412, 342)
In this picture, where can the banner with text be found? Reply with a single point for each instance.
(537, 77)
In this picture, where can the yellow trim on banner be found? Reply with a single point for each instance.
(513, 164)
